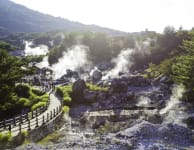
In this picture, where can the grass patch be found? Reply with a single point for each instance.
(49, 138)
(65, 93)
(5, 138)
(37, 105)
(30, 97)
(97, 88)
(66, 109)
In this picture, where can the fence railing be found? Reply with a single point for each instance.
(29, 122)
(22, 118)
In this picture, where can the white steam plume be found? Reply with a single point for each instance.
(39, 50)
(74, 59)
(43, 63)
(123, 63)
(177, 94)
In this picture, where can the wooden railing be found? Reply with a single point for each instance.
(22, 118)
(29, 121)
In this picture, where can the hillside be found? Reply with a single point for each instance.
(17, 18)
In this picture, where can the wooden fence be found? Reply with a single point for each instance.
(29, 121)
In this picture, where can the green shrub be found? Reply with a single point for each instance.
(22, 90)
(59, 92)
(65, 93)
(93, 87)
(25, 102)
(53, 137)
(38, 92)
(5, 138)
(37, 105)
(66, 109)
(44, 98)
(67, 99)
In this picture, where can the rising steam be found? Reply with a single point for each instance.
(177, 94)
(39, 50)
(123, 63)
(74, 59)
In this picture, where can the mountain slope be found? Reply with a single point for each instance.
(17, 18)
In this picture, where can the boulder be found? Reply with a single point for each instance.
(97, 75)
(102, 96)
(118, 86)
(78, 90)
(90, 96)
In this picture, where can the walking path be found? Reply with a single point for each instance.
(53, 109)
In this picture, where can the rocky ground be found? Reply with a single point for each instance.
(136, 113)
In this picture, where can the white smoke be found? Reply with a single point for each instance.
(74, 59)
(177, 94)
(123, 63)
(39, 50)
(43, 63)
(173, 112)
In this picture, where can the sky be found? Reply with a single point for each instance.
(123, 15)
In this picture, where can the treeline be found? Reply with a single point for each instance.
(173, 56)
(15, 97)
(102, 48)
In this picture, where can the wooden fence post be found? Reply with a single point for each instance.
(14, 122)
(32, 114)
(21, 119)
(9, 127)
(36, 122)
(29, 125)
(47, 117)
(54, 112)
(43, 119)
(50, 114)
(4, 124)
(20, 128)
(57, 110)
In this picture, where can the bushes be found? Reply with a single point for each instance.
(38, 92)
(65, 93)
(66, 109)
(31, 98)
(5, 138)
(97, 88)
(24, 102)
(37, 105)
(22, 90)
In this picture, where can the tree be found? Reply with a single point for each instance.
(10, 72)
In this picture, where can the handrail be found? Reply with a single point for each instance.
(31, 123)
(23, 117)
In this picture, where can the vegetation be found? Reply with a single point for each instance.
(31, 98)
(97, 88)
(66, 109)
(24, 97)
(5, 138)
(65, 93)
(177, 59)
(53, 137)
(10, 72)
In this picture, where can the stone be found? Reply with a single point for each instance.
(78, 90)
(97, 75)
(90, 96)
(118, 86)
(101, 96)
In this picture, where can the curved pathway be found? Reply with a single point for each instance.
(54, 104)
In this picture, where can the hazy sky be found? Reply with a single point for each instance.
(124, 15)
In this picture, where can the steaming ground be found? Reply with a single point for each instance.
(122, 62)
(154, 119)
(75, 58)
(39, 50)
